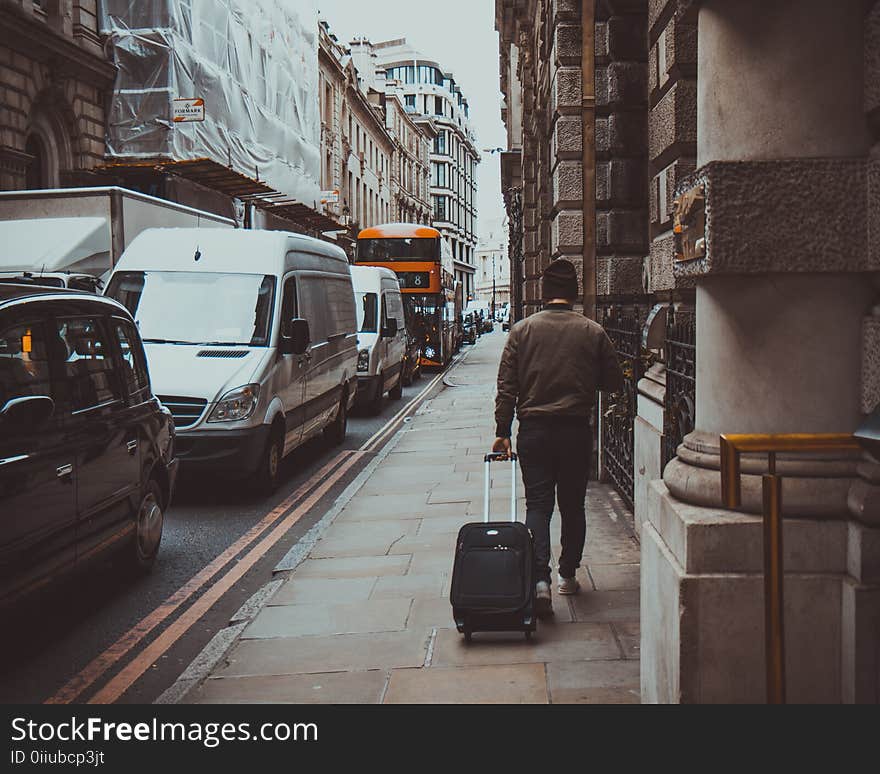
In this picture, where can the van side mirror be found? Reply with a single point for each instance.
(29, 411)
(390, 329)
(296, 338)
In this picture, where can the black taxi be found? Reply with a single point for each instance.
(87, 459)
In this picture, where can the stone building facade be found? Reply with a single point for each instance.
(356, 148)
(53, 84)
(413, 135)
(728, 186)
(430, 92)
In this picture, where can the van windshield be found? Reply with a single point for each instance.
(183, 307)
(367, 312)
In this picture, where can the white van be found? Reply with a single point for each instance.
(250, 338)
(381, 335)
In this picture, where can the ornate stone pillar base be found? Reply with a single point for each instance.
(702, 606)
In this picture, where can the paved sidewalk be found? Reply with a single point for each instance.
(365, 618)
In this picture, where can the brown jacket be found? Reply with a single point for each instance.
(553, 364)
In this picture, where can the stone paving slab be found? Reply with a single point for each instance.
(442, 540)
(629, 634)
(409, 586)
(304, 591)
(375, 615)
(604, 606)
(505, 684)
(562, 642)
(615, 576)
(428, 612)
(383, 507)
(418, 509)
(425, 562)
(593, 682)
(353, 567)
(340, 653)
(326, 688)
(362, 539)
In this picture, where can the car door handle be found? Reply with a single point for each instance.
(64, 471)
(132, 446)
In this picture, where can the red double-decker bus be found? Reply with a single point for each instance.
(422, 260)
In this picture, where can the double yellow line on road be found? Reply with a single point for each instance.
(277, 523)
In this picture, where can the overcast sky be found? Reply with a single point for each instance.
(460, 36)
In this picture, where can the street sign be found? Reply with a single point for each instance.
(330, 197)
(187, 110)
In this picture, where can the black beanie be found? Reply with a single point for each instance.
(560, 281)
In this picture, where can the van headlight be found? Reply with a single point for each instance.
(236, 404)
(363, 360)
(429, 353)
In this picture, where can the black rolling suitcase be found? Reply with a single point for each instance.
(493, 587)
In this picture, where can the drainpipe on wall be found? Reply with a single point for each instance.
(588, 106)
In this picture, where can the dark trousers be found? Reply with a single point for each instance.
(554, 455)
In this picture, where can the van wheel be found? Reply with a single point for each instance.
(335, 432)
(396, 392)
(149, 521)
(375, 405)
(266, 477)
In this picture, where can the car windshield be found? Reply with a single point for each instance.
(181, 307)
(367, 312)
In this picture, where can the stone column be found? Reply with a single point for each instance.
(782, 293)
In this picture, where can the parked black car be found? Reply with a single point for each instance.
(86, 451)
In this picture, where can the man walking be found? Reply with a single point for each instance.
(552, 366)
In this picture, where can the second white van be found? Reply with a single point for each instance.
(381, 335)
(251, 342)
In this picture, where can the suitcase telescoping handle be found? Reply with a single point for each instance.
(498, 457)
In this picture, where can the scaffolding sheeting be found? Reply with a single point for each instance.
(254, 63)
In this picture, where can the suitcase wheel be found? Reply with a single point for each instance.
(467, 635)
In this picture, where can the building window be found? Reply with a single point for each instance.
(438, 106)
(410, 102)
(438, 174)
(439, 207)
(440, 143)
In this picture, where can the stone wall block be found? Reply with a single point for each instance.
(870, 364)
(872, 59)
(603, 137)
(620, 182)
(567, 44)
(600, 41)
(627, 38)
(793, 215)
(568, 137)
(622, 84)
(568, 184)
(565, 90)
(673, 120)
(621, 230)
(619, 275)
(681, 44)
(567, 232)
(627, 134)
(660, 273)
(567, 9)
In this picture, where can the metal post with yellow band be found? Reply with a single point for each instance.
(732, 446)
